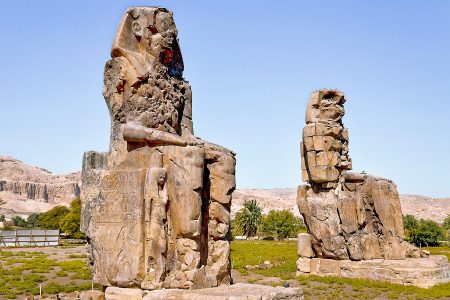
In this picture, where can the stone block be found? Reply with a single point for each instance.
(304, 265)
(304, 246)
(327, 158)
(92, 295)
(321, 174)
(309, 130)
(308, 143)
(421, 272)
(329, 267)
(324, 266)
(322, 143)
(219, 212)
(116, 293)
(305, 176)
(238, 291)
(314, 266)
(311, 159)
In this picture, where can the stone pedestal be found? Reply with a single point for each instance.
(421, 272)
(239, 291)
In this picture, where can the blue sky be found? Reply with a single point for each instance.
(252, 66)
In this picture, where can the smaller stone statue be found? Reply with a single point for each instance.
(354, 220)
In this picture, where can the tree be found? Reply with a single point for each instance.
(18, 221)
(447, 223)
(70, 223)
(33, 220)
(51, 219)
(249, 218)
(422, 232)
(410, 224)
(2, 218)
(283, 223)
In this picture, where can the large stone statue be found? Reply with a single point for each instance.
(350, 216)
(156, 207)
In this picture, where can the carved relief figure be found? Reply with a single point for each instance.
(156, 208)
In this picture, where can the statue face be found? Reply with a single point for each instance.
(161, 178)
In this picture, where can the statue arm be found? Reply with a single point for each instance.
(135, 132)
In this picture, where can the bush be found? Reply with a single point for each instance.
(422, 232)
(18, 221)
(283, 223)
(2, 218)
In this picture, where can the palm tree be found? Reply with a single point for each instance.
(248, 218)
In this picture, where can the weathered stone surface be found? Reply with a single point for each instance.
(115, 293)
(304, 264)
(304, 247)
(422, 272)
(156, 206)
(92, 295)
(324, 137)
(239, 291)
(354, 220)
(349, 215)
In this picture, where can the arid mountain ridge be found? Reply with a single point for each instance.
(25, 189)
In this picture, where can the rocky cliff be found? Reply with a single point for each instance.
(25, 189)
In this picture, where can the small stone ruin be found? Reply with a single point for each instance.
(156, 207)
(352, 218)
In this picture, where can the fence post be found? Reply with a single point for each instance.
(40, 289)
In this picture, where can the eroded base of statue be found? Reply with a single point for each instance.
(421, 272)
(239, 291)
(160, 217)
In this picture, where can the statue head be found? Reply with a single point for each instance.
(147, 37)
(161, 175)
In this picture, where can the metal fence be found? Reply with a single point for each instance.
(29, 237)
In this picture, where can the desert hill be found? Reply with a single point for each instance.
(26, 189)
(421, 207)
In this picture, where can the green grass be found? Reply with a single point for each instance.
(367, 289)
(282, 254)
(54, 288)
(78, 269)
(22, 272)
(441, 250)
(77, 256)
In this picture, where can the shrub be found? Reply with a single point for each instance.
(422, 232)
(283, 223)
(18, 221)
